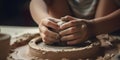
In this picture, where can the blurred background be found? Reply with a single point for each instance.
(15, 13)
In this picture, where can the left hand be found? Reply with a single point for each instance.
(74, 31)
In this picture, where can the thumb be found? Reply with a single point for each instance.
(68, 18)
(54, 20)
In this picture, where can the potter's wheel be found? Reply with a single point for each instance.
(52, 52)
(21, 51)
(36, 49)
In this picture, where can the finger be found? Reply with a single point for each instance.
(71, 37)
(80, 39)
(50, 38)
(54, 20)
(50, 24)
(68, 18)
(74, 42)
(70, 24)
(47, 40)
(48, 33)
(70, 31)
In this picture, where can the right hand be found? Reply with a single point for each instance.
(45, 26)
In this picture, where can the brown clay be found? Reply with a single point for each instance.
(38, 52)
(38, 49)
(4, 46)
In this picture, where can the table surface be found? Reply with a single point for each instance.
(17, 30)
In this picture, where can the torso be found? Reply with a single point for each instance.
(83, 8)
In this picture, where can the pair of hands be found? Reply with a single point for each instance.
(72, 32)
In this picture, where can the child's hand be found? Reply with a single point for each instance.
(47, 35)
(75, 31)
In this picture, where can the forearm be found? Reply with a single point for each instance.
(38, 10)
(59, 8)
(105, 7)
(49, 8)
(108, 23)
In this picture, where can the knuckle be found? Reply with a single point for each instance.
(41, 22)
(76, 35)
(72, 29)
(73, 36)
(76, 42)
(46, 35)
(79, 40)
(44, 38)
(67, 16)
(61, 33)
(48, 22)
(40, 30)
(45, 32)
(63, 38)
(81, 20)
(55, 34)
(84, 26)
(73, 22)
(46, 42)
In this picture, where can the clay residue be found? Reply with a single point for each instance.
(110, 50)
(86, 45)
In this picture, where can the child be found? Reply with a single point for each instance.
(93, 18)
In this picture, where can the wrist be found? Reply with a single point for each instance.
(91, 28)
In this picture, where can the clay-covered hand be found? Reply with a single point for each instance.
(75, 30)
(46, 26)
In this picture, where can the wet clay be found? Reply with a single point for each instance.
(37, 50)
(41, 50)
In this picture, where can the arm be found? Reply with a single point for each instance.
(38, 10)
(107, 17)
(78, 30)
(45, 13)
(47, 8)
(59, 9)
